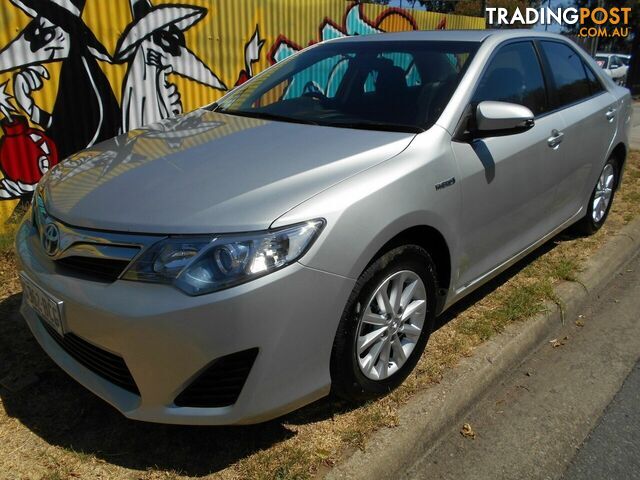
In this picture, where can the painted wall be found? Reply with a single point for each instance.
(76, 72)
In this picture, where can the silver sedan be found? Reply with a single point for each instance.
(302, 234)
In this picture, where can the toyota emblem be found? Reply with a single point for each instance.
(51, 239)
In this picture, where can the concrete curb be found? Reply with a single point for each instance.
(423, 420)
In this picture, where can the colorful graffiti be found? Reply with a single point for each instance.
(76, 72)
(354, 23)
(55, 33)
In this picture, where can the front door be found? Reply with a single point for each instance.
(507, 181)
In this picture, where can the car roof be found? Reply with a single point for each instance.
(450, 36)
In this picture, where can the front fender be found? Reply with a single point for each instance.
(366, 211)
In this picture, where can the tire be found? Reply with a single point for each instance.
(353, 374)
(596, 215)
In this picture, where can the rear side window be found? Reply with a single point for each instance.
(567, 72)
(514, 75)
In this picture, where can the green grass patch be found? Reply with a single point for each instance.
(7, 238)
(564, 268)
(513, 304)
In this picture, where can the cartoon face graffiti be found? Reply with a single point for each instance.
(42, 40)
(56, 33)
(154, 46)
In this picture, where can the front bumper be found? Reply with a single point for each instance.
(166, 338)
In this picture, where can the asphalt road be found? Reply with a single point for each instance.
(570, 411)
(612, 450)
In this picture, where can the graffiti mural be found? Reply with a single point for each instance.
(76, 72)
(251, 55)
(56, 33)
(154, 46)
(18, 143)
(354, 23)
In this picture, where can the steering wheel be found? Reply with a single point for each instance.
(312, 91)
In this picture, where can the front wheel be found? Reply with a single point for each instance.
(600, 200)
(385, 325)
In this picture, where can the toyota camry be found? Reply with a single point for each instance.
(301, 235)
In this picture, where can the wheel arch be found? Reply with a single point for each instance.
(619, 152)
(429, 238)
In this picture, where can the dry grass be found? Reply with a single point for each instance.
(51, 428)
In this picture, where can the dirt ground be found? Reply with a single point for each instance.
(52, 428)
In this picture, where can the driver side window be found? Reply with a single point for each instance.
(514, 75)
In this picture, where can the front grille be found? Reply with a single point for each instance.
(105, 364)
(105, 269)
(220, 384)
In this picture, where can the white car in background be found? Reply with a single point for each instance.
(615, 65)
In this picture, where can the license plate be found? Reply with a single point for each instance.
(49, 308)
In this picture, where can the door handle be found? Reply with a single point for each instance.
(555, 139)
(611, 114)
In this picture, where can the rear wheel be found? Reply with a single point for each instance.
(601, 199)
(385, 325)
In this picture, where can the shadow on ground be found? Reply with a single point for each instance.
(52, 405)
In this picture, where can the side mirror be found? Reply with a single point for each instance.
(502, 118)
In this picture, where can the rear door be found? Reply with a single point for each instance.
(589, 114)
(508, 185)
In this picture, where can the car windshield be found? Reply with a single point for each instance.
(602, 61)
(383, 85)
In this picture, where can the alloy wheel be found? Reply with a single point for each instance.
(603, 193)
(391, 324)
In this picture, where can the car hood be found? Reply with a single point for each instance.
(207, 172)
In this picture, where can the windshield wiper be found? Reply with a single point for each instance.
(362, 125)
(266, 116)
(381, 126)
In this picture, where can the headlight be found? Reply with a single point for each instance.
(204, 264)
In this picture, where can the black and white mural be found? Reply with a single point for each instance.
(154, 46)
(85, 110)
